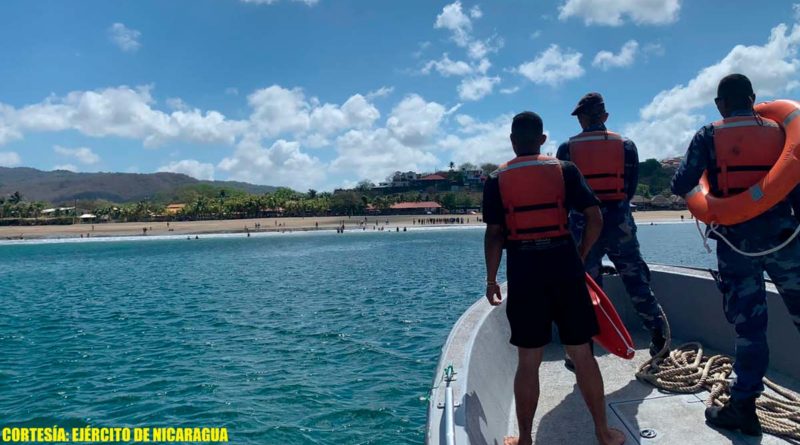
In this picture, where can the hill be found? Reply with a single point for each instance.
(62, 186)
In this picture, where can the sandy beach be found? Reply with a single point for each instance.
(390, 222)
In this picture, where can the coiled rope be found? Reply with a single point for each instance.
(687, 370)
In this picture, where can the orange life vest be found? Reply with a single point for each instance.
(533, 194)
(746, 148)
(600, 156)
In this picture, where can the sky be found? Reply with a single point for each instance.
(325, 93)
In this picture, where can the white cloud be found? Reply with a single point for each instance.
(9, 159)
(511, 90)
(614, 12)
(475, 88)
(770, 68)
(122, 112)
(672, 117)
(374, 154)
(278, 111)
(475, 12)
(606, 59)
(232, 91)
(67, 167)
(283, 163)
(453, 18)
(380, 92)
(125, 38)
(84, 155)
(553, 67)
(191, 167)
(176, 103)
(415, 121)
(447, 67)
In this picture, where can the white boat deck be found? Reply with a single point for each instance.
(632, 406)
(485, 364)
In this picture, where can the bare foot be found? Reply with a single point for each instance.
(514, 440)
(611, 437)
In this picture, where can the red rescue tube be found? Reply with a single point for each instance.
(613, 336)
(770, 190)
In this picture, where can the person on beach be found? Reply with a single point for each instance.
(525, 205)
(732, 142)
(610, 164)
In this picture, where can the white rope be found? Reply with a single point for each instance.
(702, 235)
(713, 228)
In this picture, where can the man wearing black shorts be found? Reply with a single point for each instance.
(525, 207)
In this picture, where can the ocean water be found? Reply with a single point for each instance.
(312, 338)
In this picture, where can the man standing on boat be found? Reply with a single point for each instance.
(525, 206)
(732, 152)
(610, 164)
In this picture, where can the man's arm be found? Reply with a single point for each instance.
(693, 164)
(494, 238)
(594, 225)
(493, 252)
(631, 168)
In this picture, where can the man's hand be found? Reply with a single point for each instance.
(493, 294)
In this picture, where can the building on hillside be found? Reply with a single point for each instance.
(174, 209)
(661, 202)
(415, 208)
(671, 162)
(473, 178)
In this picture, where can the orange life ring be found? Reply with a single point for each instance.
(770, 190)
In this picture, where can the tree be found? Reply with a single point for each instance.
(365, 185)
(488, 167)
(448, 201)
(643, 189)
(468, 166)
(15, 198)
(452, 165)
(312, 193)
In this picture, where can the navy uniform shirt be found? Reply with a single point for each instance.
(631, 160)
(578, 195)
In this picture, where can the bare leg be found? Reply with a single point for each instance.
(590, 382)
(526, 393)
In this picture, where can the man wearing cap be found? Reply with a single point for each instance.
(610, 164)
(741, 142)
(525, 205)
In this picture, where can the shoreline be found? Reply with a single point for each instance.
(264, 226)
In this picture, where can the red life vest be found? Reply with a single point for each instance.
(600, 156)
(533, 194)
(746, 148)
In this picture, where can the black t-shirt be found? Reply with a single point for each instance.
(578, 195)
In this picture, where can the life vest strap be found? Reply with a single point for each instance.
(530, 208)
(540, 229)
(604, 175)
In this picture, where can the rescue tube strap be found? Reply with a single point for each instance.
(791, 117)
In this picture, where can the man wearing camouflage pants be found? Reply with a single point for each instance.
(610, 164)
(741, 141)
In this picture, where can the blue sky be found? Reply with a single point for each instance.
(323, 93)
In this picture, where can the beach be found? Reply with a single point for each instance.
(373, 222)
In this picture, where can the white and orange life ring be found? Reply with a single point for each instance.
(766, 193)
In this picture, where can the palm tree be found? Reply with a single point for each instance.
(15, 198)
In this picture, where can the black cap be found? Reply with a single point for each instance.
(527, 126)
(734, 86)
(590, 103)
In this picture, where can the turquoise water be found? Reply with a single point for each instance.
(286, 339)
